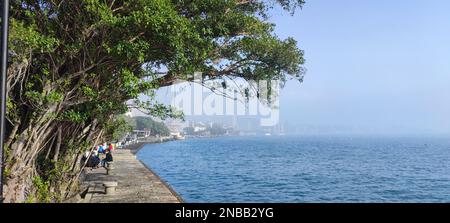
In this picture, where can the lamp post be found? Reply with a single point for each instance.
(3, 71)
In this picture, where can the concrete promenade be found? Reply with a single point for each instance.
(135, 182)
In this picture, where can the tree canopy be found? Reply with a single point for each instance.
(76, 65)
(143, 123)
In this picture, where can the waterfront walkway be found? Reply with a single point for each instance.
(136, 183)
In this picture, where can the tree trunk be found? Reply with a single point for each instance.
(58, 144)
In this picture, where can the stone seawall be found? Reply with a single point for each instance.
(135, 147)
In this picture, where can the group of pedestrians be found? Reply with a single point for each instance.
(100, 156)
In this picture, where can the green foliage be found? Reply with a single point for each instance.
(89, 92)
(115, 44)
(33, 96)
(142, 123)
(74, 116)
(43, 194)
(25, 36)
(54, 97)
(118, 128)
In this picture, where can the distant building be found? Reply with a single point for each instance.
(198, 126)
(142, 133)
(175, 127)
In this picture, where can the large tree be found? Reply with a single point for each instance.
(74, 65)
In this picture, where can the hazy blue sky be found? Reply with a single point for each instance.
(380, 63)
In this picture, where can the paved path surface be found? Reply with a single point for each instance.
(136, 183)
